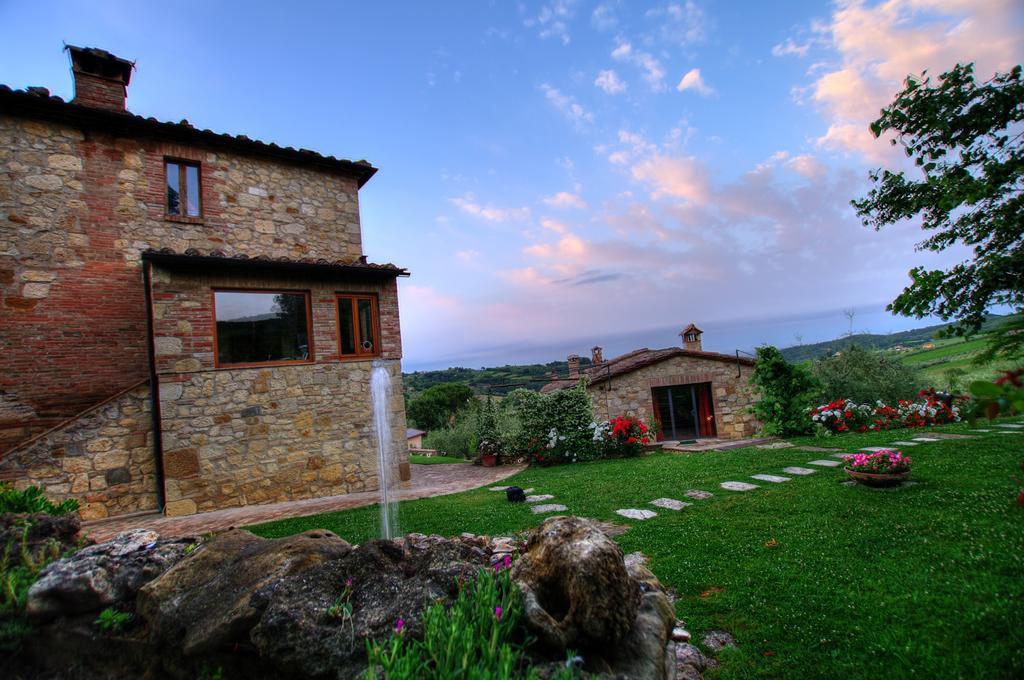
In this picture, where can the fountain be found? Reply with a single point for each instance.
(380, 390)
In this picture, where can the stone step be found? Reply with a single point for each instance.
(697, 494)
(794, 470)
(670, 503)
(738, 486)
(550, 507)
(775, 479)
(636, 513)
(539, 497)
(825, 463)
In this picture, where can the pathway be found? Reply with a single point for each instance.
(427, 480)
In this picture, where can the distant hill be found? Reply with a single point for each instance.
(912, 339)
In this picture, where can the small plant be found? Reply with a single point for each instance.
(341, 608)
(111, 620)
(31, 499)
(884, 462)
(624, 436)
(20, 565)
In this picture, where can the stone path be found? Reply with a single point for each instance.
(549, 507)
(799, 470)
(698, 494)
(427, 481)
(670, 503)
(775, 479)
(539, 497)
(636, 513)
(826, 463)
(738, 486)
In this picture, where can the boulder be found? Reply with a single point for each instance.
(102, 575)
(39, 529)
(203, 603)
(577, 593)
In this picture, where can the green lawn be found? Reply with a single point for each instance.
(436, 460)
(814, 578)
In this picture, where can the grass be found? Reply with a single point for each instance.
(436, 460)
(814, 578)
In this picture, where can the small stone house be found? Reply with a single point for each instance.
(687, 392)
(187, 319)
(414, 438)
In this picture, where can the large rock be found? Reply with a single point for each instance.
(102, 575)
(576, 591)
(39, 531)
(204, 603)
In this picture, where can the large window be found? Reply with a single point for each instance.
(183, 193)
(358, 328)
(261, 327)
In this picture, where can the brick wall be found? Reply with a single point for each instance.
(630, 394)
(77, 208)
(238, 436)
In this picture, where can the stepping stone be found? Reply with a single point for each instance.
(776, 479)
(844, 456)
(498, 488)
(634, 513)
(813, 448)
(904, 444)
(874, 448)
(825, 463)
(530, 490)
(670, 503)
(737, 486)
(799, 470)
(775, 445)
(697, 494)
(1009, 432)
(550, 507)
(926, 439)
(979, 430)
(1012, 426)
(538, 498)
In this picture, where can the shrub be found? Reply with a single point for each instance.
(624, 436)
(481, 635)
(438, 405)
(487, 430)
(864, 376)
(19, 568)
(785, 393)
(845, 415)
(458, 439)
(31, 499)
(112, 621)
(879, 463)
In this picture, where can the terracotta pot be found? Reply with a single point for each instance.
(876, 479)
(488, 459)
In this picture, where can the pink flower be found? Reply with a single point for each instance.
(399, 625)
(348, 582)
(508, 561)
(497, 613)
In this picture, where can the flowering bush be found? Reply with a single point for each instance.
(845, 415)
(623, 436)
(884, 462)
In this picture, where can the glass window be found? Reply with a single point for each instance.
(183, 189)
(358, 326)
(259, 328)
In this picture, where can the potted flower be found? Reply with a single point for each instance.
(881, 468)
(488, 451)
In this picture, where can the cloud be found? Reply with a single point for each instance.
(790, 48)
(567, 105)
(564, 199)
(808, 166)
(553, 20)
(673, 176)
(693, 81)
(653, 71)
(879, 45)
(603, 18)
(468, 256)
(679, 23)
(470, 206)
(609, 82)
(554, 225)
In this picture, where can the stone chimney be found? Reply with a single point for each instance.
(596, 355)
(691, 338)
(574, 366)
(101, 79)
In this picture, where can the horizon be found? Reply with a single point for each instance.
(566, 172)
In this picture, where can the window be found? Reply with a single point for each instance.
(358, 327)
(183, 193)
(261, 327)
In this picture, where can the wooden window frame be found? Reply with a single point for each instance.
(258, 364)
(182, 164)
(360, 355)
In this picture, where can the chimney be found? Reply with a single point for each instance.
(691, 338)
(574, 366)
(596, 355)
(101, 79)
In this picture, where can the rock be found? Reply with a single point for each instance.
(203, 602)
(102, 575)
(43, 528)
(680, 635)
(636, 513)
(690, 655)
(717, 640)
(576, 591)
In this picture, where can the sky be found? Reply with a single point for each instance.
(558, 175)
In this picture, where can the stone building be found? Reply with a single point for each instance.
(688, 392)
(187, 319)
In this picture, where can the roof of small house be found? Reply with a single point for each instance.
(692, 328)
(36, 102)
(639, 358)
(413, 432)
(219, 260)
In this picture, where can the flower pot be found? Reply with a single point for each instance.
(877, 479)
(488, 459)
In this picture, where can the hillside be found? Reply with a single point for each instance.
(499, 380)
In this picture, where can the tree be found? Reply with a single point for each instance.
(966, 139)
(435, 407)
(865, 377)
(785, 392)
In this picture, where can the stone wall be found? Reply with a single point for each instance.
(239, 436)
(77, 209)
(630, 394)
(104, 458)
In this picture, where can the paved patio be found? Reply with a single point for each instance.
(427, 480)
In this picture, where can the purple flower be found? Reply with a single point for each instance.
(508, 561)
(348, 582)
(399, 625)
(497, 613)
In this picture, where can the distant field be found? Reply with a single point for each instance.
(950, 364)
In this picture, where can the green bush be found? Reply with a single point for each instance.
(19, 568)
(436, 406)
(458, 438)
(864, 377)
(481, 636)
(785, 394)
(31, 499)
